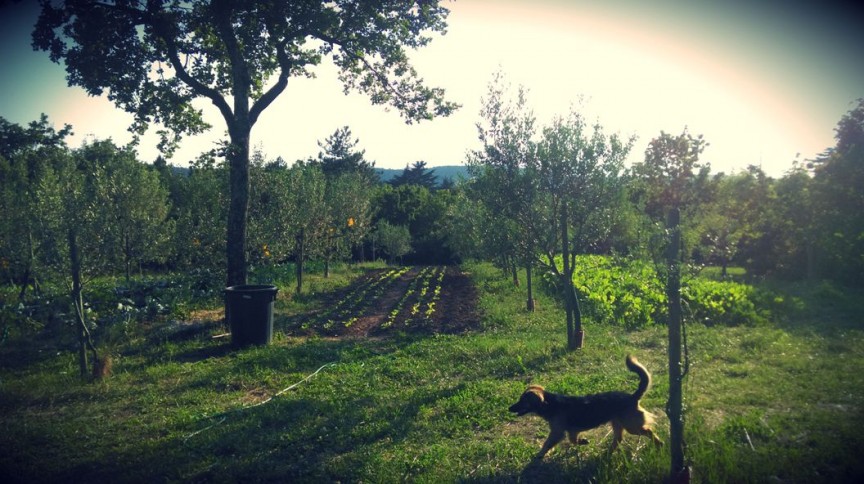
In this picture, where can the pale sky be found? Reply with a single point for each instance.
(762, 81)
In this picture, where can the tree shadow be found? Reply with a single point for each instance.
(284, 440)
(293, 437)
(223, 348)
(290, 438)
(21, 353)
(584, 469)
(823, 309)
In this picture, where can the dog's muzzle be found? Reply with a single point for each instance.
(518, 410)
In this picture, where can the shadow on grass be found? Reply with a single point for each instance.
(217, 350)
(22, 351)
(352, 426)
(548, 471)
(555, 471)
(348, 429)
(285, 440)
(822, 308)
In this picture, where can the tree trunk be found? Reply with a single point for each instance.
(810, 252)
(238, 208)
(30, 271)
(78, 301)
(127, 255)
(239, 122)
(528, 282)
(578, 333)
(301, 256)
(675, 407)
(567, 281)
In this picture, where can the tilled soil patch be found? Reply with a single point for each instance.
(455, 310)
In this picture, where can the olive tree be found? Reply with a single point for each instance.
(307, 189)
(394, 240)
(138, 229)
(71, 212)
(506, 178)
(25, 155)
(580, 168)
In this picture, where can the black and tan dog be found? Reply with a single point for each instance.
(571, 415)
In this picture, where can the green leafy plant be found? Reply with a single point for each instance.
(619, 291)
(630, 293)
(725, 302)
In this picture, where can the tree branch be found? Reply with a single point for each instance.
(265, 100)
(161, 31)
(215, 97)
(382, 78)
(241, 81)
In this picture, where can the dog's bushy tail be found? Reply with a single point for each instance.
(644, 376)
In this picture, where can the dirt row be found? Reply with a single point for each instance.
(455, 310)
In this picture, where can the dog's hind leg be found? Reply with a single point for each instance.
(617, 434)
(575, 440)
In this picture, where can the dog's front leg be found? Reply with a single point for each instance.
(555, 436)
(647, 431)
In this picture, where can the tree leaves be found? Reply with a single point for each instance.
(154, 59)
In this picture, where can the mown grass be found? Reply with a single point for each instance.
(767, 403)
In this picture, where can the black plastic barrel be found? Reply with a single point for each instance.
(249, 309)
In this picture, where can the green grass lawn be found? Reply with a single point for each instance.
(770, 403)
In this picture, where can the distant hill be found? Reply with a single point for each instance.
(454, 172)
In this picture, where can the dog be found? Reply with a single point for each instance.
(571, 415)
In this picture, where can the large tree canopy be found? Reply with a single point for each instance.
(154, 57)
(838, 176)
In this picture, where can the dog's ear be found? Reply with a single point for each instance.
(539, 391)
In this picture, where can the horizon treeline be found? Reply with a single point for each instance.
(98, 209)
